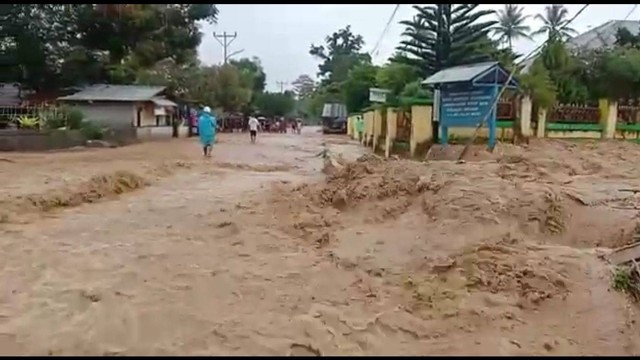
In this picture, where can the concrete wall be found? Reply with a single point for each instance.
(147, 114)
(159, 132)
(368, 127)
(392, 130)
(421, 130)
(34, 140)
(573, 134)
(501, 133)
(118, 114)
(379, 128)
(111, 114)
(422, 133)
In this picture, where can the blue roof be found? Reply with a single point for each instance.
(478, 74)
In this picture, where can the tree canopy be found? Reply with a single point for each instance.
(56, 45)
(275, 104)
(341, 52)
(52, 46)
(445, 35)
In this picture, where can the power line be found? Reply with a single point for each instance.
(386, 28)
(534, 51)
(495, 101)
(631, 12)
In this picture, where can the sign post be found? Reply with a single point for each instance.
(378, 95)
(464, 106)
(468, 94)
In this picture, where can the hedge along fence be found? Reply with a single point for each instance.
(628, 122)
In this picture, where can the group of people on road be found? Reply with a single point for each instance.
(207, 128)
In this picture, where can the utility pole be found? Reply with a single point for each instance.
(281, 84)
(225, 44)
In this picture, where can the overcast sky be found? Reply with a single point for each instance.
(280, 35)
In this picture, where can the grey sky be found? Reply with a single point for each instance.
(280, 35)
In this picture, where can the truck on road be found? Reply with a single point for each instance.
(334, 118)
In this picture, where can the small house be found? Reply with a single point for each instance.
(119, 106)
(10, 95)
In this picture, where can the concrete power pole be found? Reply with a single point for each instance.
(281, 84)
(225, 42)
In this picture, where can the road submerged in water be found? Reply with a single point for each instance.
(153, 250)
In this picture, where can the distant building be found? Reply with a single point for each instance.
(120, 106)
(10, 95)
(603, 36)
(599, 37)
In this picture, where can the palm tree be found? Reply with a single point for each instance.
(445, 35)
(554, 23)
(511, 25)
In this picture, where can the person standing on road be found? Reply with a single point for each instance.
(359, 127)
(253, 128)
(298, 126)
(207, 130)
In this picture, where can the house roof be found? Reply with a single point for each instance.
(602, 36)
(460, 73)
(160, 101)
(115, 93)
(486, 72)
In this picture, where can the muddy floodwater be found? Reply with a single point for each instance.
(274, 249)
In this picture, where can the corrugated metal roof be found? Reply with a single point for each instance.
(115, 93)
(603, 36)
(163, 102)
(460, 73)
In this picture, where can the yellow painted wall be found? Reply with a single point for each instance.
(392, 130)
(466, 132)
(573, 134)
(421, 130)
(377, 127)
(368, 126)
(622, 135)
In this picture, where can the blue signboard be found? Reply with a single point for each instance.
(467, 106)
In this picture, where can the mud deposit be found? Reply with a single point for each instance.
(257, 251)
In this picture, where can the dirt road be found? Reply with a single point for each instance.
(254, 252)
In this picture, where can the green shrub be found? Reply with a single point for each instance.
(74, 119)
(52, 118)
(91, 130)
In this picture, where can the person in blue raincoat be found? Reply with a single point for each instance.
(207, 130)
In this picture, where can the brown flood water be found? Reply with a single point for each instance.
(249, 253)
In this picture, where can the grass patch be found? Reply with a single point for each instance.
(626, 279)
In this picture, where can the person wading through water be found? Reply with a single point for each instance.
(359, 127)
(207, 130)
(254, 124)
